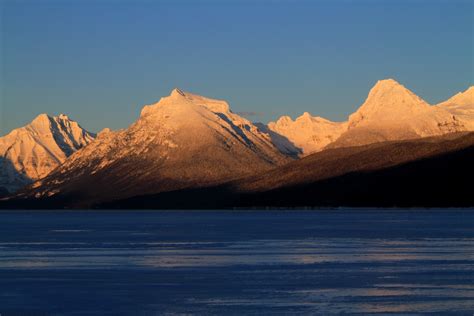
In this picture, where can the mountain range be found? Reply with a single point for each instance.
(427, 172)
(195, 148)
(182, 141)
(390, 112)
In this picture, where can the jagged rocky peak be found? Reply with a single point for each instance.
(61, 123)
(31, 152)
(41, 121)
(63, 117)
(178, 91)
(43, 117)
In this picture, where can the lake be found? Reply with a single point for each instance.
(236, 262)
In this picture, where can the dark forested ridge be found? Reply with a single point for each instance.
(430, 172)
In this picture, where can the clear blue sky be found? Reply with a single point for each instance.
(101, 61)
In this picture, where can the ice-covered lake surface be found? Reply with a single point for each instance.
(229, 262)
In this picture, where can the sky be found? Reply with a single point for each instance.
(101, 61)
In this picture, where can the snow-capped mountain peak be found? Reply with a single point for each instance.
(461, 105)
(180, 98)
(388, 83)
(178, 91)
(307, 133)
(31, 152)
(390, 93)
(464, 98)
(305, 116)
(283, 121)
(388, 100)
(390, 112)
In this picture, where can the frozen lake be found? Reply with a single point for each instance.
(288, 262)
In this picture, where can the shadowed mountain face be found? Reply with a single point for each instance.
(10, 177)
(280, 141)
(3, 192)
(430, 172)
